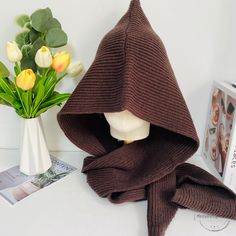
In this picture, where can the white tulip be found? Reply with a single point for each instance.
(43, 57)
(75, 68)
(14, 54)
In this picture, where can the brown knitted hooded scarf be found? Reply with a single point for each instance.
(132, 72)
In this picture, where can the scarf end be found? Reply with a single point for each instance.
(156, 230)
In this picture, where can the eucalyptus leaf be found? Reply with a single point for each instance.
(28, 26)
(28, 63)
(22, 38)
(53, 23)
(56, 38)
(4, 72)
(40, 19)
(26, 50)
(37, 45)
(22, 20)
(33, 35)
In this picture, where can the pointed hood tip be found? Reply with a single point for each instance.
(135, 13)
(133, 4)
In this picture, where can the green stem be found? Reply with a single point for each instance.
(46, 95)
(48, 69)
(43, 99)
(18, 93)
(44, 74)
(18, 69)
(22, 102)
(18, 66)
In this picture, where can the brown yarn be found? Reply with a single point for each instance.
(131, 71)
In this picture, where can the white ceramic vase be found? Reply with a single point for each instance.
(34, 154)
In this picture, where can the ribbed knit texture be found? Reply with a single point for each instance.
(131, 71)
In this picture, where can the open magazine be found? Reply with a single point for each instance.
(220, 139)
(15, 186)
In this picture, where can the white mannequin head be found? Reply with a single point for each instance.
(126, 126)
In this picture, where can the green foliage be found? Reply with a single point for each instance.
(17, 69)
(32, 103)
(28, 63)
(22, 20)
(56, 38)
(40, 29)
(6, 87)
(33, 35)
(40, 19)
(22, 38)
(53, 23)
(39, 95)
(55, 99)
(38, 43)
(4, 72)
(27, 100)
(8, 98)
(26, 50)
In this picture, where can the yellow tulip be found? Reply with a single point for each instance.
(61, 61)
(26, 79)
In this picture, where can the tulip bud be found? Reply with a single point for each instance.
(43, 57)
(14, 54)
(61, 61)
(75, 68)
(26, 79)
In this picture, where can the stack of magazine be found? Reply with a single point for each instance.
(219, 147)
(15, 186)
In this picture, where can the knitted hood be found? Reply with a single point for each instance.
(131, 71)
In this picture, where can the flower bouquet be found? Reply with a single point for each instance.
(31, 91)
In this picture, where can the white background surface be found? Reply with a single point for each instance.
(199, 35)
(70, 207)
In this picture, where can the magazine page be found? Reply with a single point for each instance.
(15, 186)
(219, 130)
